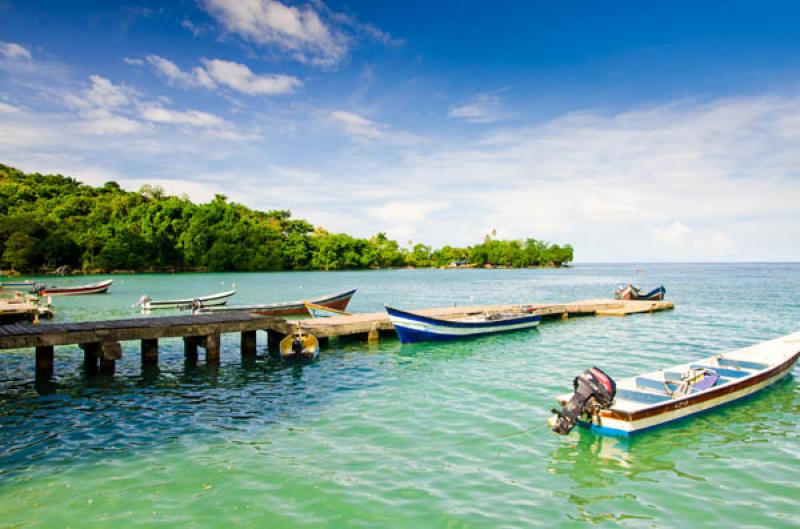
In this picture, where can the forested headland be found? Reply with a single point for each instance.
(50, 222)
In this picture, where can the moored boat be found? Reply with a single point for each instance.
(299, 344)
(210, 300)
(415, 327)
(321, 311)
(653, 399)
(101, 287)
(633, 292)
(290, 308)
(23, 286)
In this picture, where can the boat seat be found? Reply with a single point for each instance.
(727, 373)
(641, 396)
(651, 384)
(742, 364)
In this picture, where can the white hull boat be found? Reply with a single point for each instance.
(653, 399)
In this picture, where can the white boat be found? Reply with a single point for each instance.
(201, 301)
(643, 402)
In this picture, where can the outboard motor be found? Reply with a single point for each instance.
(593, 390)
(298, 345)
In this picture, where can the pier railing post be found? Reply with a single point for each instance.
(149, 352)
(212, 348)
(248, 344)
(44, 362)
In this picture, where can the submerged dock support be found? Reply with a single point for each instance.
(212, 344)
(90, 359)
(149, 352)
(44, 362)
(249, 344)
(110, 352)
(274, 341)
(190, 344)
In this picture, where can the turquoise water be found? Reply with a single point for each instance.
(427, 435)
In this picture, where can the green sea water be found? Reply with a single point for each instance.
(426, 435)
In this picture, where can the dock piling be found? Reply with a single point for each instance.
(44, 362)
(190, 348)
(248, 344)
(212, 344)
(149, 352)
(274, 340)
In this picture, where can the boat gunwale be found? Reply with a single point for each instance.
(697, 398)
(285, 304)
(421, 318)
(210, 297)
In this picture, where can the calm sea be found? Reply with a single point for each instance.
(390, 436)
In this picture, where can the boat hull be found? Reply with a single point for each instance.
(411, 327)
(626, 423)
(213, 300)
(310, 347)
(628, 294)
(95, 288)
(291, 308)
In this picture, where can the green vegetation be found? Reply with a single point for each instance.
(52, 221)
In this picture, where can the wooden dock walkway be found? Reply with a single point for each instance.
(358, 324)
(100, 340)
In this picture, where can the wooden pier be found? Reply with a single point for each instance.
(364, 324)
(100, 340)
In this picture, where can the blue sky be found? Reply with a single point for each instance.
(666, 132)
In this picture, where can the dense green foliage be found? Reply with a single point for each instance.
(51, 221)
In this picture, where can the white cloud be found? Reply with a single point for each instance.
(356, 125)
(235, 76)
(402, 219)
(102, 94)
(12, 51)
(297, 30)
(240, 78)
(194, 118)
(170, 70)
(481, 108)
(675, 233)
(6, 108)
(102, 121)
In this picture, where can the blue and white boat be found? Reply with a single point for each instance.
(415, 327)
(650, 400)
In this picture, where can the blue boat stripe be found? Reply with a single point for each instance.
(419, 318)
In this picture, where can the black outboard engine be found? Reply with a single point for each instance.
(297, 345)
(593, 390)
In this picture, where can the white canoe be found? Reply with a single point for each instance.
(644, 402)
(206, 301)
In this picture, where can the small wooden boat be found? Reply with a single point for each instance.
(290, 308)
(24, 286)
(633, 292)
(210, 300)
(415, 327)
(299, 344)
(321, 311)
(101, 287)
(653, 399)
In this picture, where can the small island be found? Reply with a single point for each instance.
(55, 224)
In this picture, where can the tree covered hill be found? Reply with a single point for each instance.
(52, 221)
